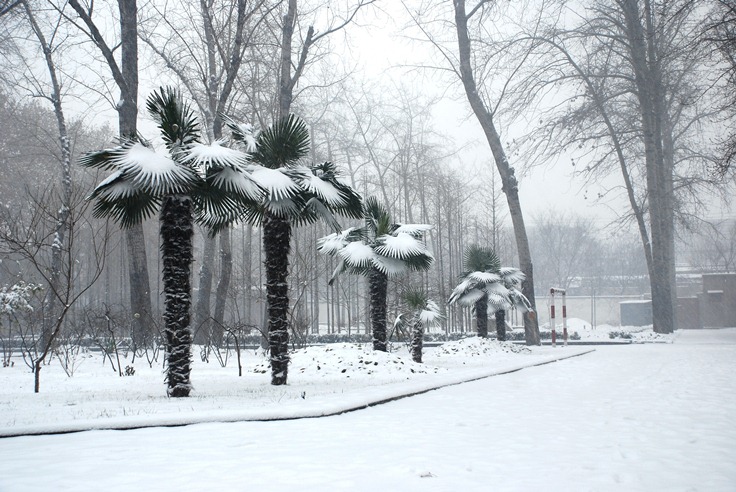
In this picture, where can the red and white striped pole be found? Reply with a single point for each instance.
(552, 292)
(552, 318)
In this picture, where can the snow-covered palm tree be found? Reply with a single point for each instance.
(190, 179)
(380, 249)
(294, 195)
(425, 313)
(485, 283)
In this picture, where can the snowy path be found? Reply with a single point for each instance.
(640, 417)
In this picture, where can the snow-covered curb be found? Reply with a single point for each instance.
(326, 405)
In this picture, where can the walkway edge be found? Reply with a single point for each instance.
(269, 415)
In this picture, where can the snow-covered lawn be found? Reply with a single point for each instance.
(323, 380)
(634, 417)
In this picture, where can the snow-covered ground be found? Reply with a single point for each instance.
(634, 417)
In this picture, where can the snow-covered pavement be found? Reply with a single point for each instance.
(638, 417)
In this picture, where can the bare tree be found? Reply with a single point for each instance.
(29, 234)
(125, 74)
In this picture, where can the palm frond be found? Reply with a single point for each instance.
(520, 301)
(466, 298)
(357, 254)
(431, 315)
(414, 230)
(277, 183)
(282, 144)
(128, 210)
(175, 118)
(484, 277)
(376, 216)
(402, 246)
(477, 258)
(213, 157)
(318, 210)
(105, 159)
(511, 275)
(242, 133)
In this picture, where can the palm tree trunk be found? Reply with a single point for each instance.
(481, 316)
(501, 325)
(176, 253)
(276, 244)
(417, 341)
(378, 291)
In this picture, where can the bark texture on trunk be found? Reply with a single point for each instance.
(223, 285)
(508, 179)
(139, 282)
(202, 323)
(378, 284)
(649, 85)
(276, 244)
(63, 215)
(481, 316)
(417, 340)
(501, 325)
(176, 253)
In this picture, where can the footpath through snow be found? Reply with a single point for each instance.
(639, 417)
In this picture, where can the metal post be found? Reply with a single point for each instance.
(564, 317)
(552, 318)
(552, 292)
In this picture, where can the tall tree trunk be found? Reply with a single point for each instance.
(140, 288)
(481, 316)
(202, 326)
(501, 325)
(508, 179)
(62, 218)
(176, 253)
(378, 284)
(417, 340)
(223, 284)
(648, 80)
(276, 244)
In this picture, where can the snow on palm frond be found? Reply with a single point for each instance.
(402, 246)
(519, 300)
(496, 288)
(414, 230)
(357, 254)
(277, 185)
(324, 190)
(114, 187)
(483, 277)
(214, 156)
(331, 244)
(237, 182)
(512, 275)
(466, 298)
(389, 266)
(242, 132)
(498, 301)
(465, 285)
(140, 167)
(431, 314)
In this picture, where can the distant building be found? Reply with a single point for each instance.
(717, 302)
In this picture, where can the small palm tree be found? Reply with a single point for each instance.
(486, 284)
(189, 180)
(380, 249)
(425, 313)
(294, 195)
